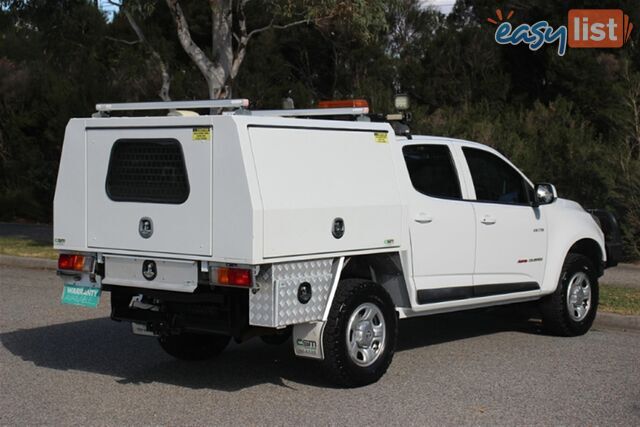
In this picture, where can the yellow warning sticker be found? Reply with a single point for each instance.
(201, 134)
(381, 137)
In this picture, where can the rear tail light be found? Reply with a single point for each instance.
(71, 262)
(234, 276)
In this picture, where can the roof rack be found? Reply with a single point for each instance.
(355, 111)
(104, 109)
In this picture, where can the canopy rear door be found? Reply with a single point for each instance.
(149, 189)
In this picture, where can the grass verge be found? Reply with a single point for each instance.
(615, 299)
(17, 246)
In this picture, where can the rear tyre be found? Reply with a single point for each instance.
(571, 309)
(360, 335)
(189, 346)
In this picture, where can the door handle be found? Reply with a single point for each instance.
(423, 218)
(488, 219)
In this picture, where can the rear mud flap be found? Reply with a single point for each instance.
(307, 340)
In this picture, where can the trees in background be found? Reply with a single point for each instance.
(233, 24)
(572, 120)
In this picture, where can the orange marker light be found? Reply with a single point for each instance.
(223, 276)
(234, 276)
(344, 103)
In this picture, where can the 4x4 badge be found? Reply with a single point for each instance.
(145, 227)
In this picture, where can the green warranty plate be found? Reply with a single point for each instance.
(85, 296)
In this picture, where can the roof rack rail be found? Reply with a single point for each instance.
(355, 111)
(104, 109)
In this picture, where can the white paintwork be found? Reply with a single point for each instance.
(467, 304)
(309, 178)
(449, 262)
(173, 275)
(567, 223)
(241, 190)
(505, 234)
(272, 187)
(70, 203)
(183, 228)
(504, 245)
(237, 207)
(493, 255)
(443, 235)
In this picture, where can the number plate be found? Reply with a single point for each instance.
(84, 295)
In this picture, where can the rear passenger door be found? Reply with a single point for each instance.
(441, 224)
(511, 238)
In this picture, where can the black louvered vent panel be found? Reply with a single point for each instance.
(148, 171)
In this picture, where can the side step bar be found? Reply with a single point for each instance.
(429, 296)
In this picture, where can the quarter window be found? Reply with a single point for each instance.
(495, 180)
(432, 170)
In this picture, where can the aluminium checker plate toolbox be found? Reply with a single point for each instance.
(276, 302)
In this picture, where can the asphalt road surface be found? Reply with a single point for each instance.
(69, 365)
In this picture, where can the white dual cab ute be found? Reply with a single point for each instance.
(277, 223)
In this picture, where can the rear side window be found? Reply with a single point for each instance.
(147, 171)
(495, 180)
(432, 170)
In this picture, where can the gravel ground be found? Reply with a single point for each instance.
(62, 365)
(624, 275)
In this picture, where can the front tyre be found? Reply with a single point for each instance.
(189, 346)
(360, 335)
(571, 309)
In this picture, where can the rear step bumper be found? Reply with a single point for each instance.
(151, 273)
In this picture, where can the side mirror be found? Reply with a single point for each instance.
(544, 194)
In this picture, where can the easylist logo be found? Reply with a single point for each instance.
(587, 28)
(598, 28)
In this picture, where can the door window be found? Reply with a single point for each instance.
(432, 170)
(495, 180)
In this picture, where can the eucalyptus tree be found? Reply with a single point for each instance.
(235, 23)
